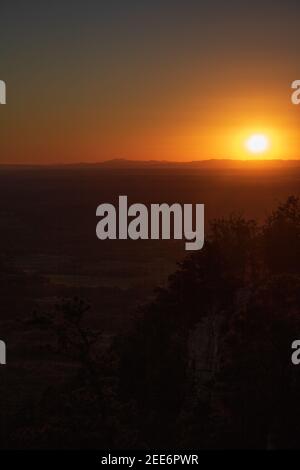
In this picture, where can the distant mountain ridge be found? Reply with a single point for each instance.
(197, 164)
(120, 163)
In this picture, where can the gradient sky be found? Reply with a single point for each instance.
(147, 79)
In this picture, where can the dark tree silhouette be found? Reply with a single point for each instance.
(209, 364)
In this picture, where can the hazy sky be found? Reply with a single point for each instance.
(141, 79)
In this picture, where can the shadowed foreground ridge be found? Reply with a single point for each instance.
(205, 364)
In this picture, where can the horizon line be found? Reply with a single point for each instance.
(151, 162)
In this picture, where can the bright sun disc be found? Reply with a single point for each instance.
(257, 143)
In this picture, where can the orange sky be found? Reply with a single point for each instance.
(142, 81)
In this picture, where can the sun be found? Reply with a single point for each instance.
(257, 143)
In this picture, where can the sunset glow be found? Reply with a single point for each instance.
(257, 143)
(155, 95)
